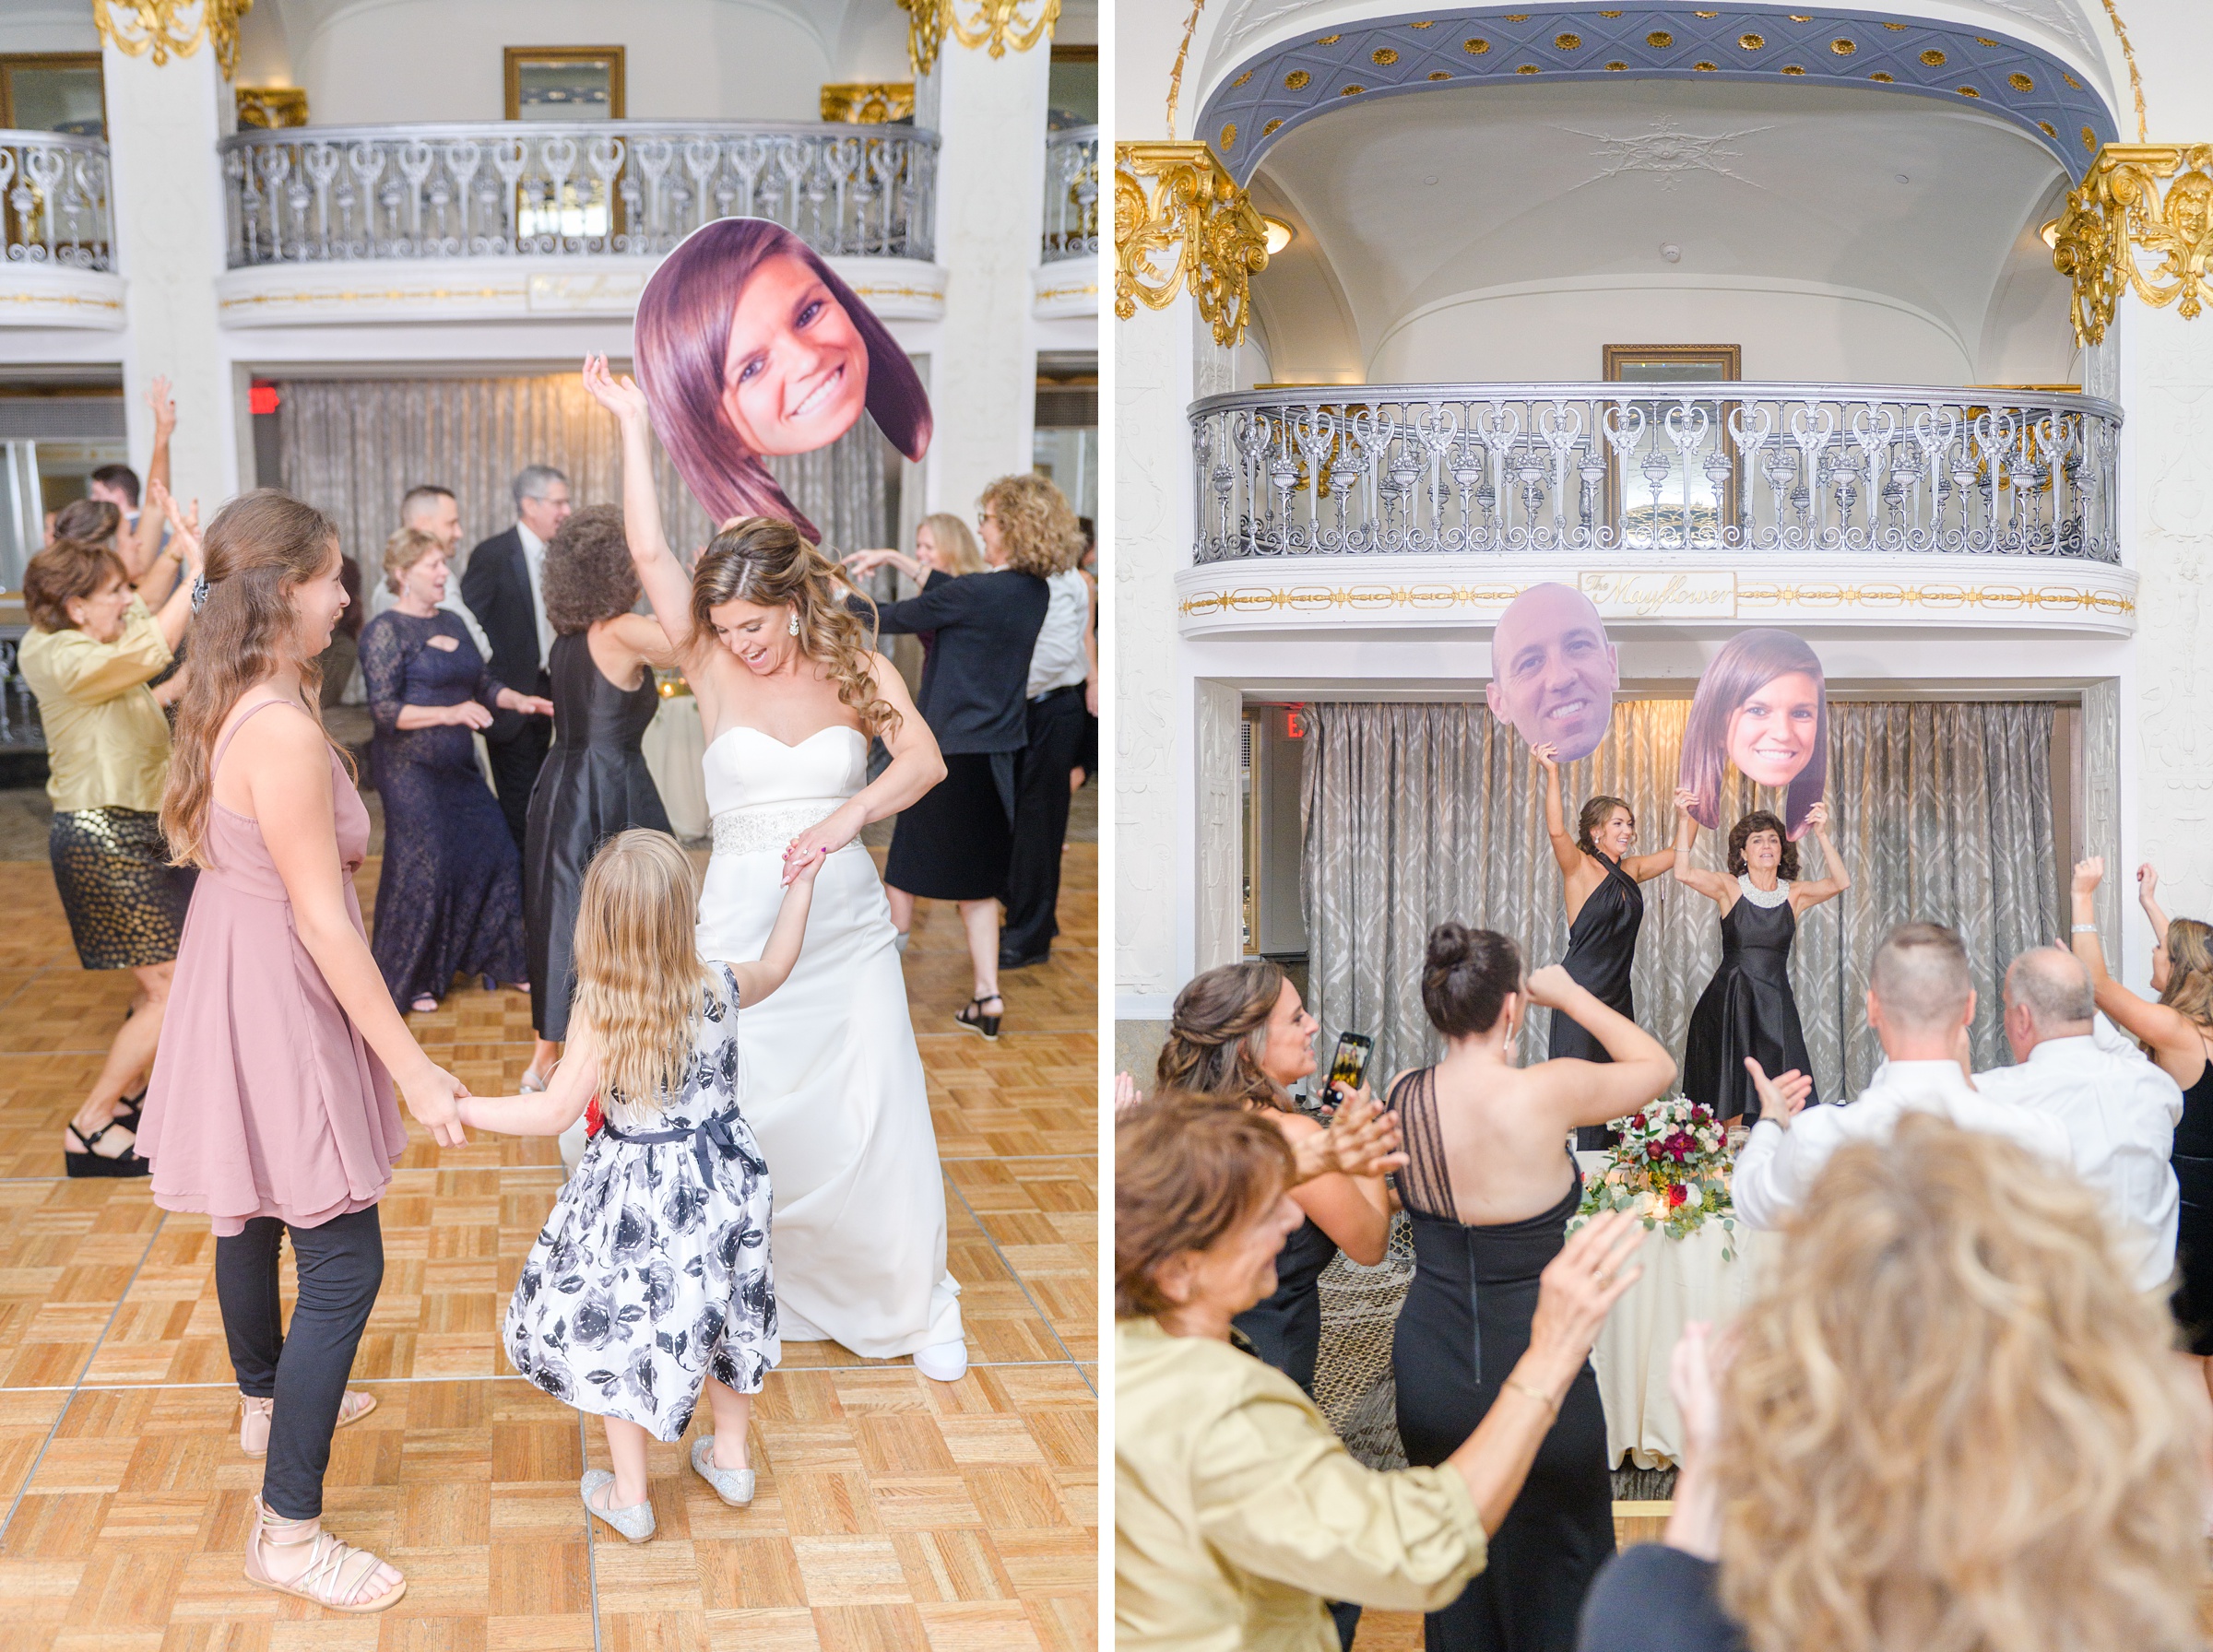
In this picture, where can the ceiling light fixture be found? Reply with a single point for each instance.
(1279, 234)
(1672, 253)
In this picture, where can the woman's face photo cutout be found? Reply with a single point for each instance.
(749, 347)
(1553, 671)
(1762, 709)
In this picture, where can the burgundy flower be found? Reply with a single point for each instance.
(1637, 1123)
(1652, 1150)
(1677, 1194)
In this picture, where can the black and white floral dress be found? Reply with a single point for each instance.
(652, 1273)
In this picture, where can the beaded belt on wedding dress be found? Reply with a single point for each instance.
(750, 830)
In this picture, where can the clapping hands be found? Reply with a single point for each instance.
(1781, 1098)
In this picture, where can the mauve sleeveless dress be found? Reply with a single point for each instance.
(264, 1100)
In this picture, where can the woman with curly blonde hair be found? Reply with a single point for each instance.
(791, 693)
(1948, 1420)
(957, 843)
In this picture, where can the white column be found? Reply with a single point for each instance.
(2166, 385)
(1152, 525)
(163, 127)
(990, 115)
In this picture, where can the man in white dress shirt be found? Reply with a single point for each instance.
(2118, 1109)
(1921, 1002)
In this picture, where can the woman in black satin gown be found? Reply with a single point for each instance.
(2177, 1034)
(1598, 880)
(1749, 1009)
(1489, 1190)
(594, 782)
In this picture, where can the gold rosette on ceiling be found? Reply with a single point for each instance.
(2140, 220)
(162, 27)
(1181, 223)
(997, 25)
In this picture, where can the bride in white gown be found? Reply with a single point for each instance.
(789, 692)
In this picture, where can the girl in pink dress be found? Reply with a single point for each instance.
(271, 1105)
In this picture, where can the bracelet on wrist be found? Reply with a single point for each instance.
(2084, 930)
(1535, 1393)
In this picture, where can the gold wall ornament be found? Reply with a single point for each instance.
(271, 108)
(994, 24)
(869, 103)
(136, 26)
(2141, 220)
(1181, 221)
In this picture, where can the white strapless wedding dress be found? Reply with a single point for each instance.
(831, 1080)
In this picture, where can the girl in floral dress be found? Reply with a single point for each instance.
(651, 1279)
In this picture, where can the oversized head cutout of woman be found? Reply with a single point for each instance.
(749, 347)
(1761, 706)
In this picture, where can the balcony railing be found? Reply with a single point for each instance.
(546, 190)
(54, 187)
(1724, 468)
(1072, 193)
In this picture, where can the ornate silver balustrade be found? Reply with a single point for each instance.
(1715, 467)
(541, 189)
(54, 188)
(1072, 193)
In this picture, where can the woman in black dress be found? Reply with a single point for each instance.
(955, 841)
(449, 899)
(2177, 1032)
(1598, 880)
(1489, 1190)
(594, 782)
(1747, 1009)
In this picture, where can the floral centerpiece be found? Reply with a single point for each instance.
(1669, 1168)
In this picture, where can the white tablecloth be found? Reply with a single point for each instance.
(1684, 1279)
(676, 749)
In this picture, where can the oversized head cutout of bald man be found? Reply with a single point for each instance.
(1553, 670)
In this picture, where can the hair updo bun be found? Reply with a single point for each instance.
(1466, 977)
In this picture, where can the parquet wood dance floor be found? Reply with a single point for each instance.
(893, 1512)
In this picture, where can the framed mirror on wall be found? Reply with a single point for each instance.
(566, 85)
(1675, 491)
(53, 91)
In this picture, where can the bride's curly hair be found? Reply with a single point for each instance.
(1950, 1421)
(763, 560)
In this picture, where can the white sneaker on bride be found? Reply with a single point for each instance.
(943, 1362)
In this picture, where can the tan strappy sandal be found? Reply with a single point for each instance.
(332, 1579)
(254, 1418)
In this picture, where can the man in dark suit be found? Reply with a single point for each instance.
(504, 587)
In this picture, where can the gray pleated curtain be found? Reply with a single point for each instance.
(1418, 813)
(353, 446)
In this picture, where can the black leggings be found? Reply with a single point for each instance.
(341, 1265)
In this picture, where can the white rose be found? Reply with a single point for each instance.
(1693, 1197)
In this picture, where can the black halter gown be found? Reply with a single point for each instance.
(2193, 1163)
(1602, 947)
(1747, 1009)
(1464, 1323)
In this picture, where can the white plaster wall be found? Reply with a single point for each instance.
(1560, 332)
(431, 60)
(47, 26)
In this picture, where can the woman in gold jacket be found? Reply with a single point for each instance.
(1237, 1510)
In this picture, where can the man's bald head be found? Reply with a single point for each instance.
(1553, 671)
(2048, 995)
(1919, 988)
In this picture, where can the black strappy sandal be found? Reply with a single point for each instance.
(133, 1107)
(976, 1021)
(89, 1163)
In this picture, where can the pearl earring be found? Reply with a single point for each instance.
(794, 627)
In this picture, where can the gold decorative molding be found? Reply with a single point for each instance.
(2128, 54)
(136, 27)
(1178, 195)
(271, 108)
(996, 25)
(869, 103)
(2138, 202)
(1191, 26)
(1753, 596)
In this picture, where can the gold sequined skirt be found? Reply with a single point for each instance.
(125, 901)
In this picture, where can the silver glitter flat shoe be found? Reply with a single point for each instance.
(734, 1486)
(636, 1523)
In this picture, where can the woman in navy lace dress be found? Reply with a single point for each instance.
(450, 899)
